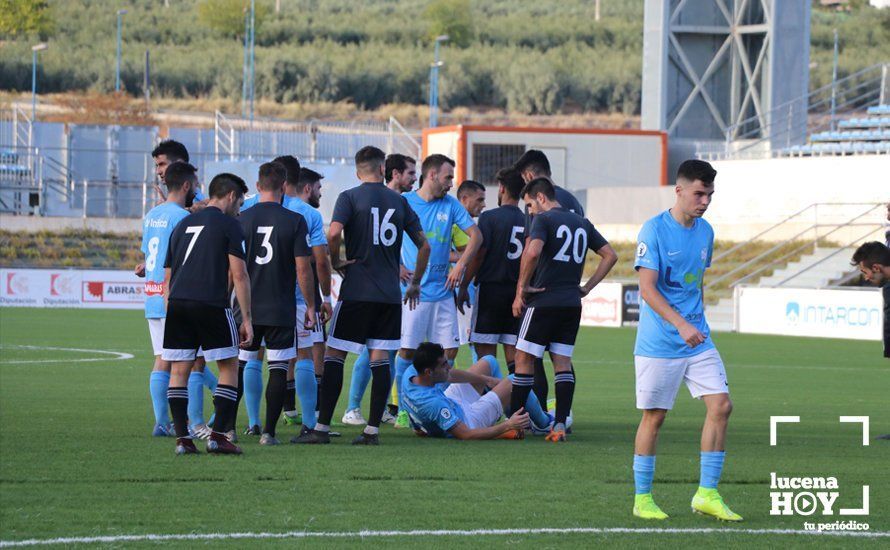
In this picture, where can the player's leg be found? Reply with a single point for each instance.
(219, 340)
(280, 349)
(541, 385)
(510, 356)
(529, 347)
(657, 382)
(416, 324)
(291, 415)
(383, 336)
(196, 397)
(445, 328)
(304, 370)
(159, 380)
(180, 344)
(319, 337)
(253, 390)
(484, 323)
(541, 421)
(361, 376)
(564, 325)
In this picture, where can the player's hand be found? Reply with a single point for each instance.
(455, 277)
(518, 306)
(404, 274)
(463, 299)
(341, 265)
(198, 206)
(691, 335)
(246, 333)
(309, 321)
(531, 290)
(139, 270)
(412, 296)
(584, 290)
(162, 195)
(326, 312)
(519, 420)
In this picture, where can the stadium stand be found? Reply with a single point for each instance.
(853, 136)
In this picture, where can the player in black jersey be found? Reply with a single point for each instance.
(277, 257)
(374, 220)
(531, 165)
(551, 300)
(495, 270)
(205, 248)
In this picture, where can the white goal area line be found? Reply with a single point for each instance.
(434, 533)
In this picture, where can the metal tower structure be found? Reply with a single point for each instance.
(719, 70)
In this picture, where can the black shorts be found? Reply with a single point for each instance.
(355, 325)
(549, 327)
(280, 343)
(192, 325)
(493, 321)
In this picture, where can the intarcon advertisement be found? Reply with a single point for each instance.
(853, 314)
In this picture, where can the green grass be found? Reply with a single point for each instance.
(76, 458)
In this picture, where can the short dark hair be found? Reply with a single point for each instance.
(272, 176)
(427, 356)
(872, 253)
(223, 184)
(434, 162)
(292, 165)
(534, 160)
(512, 181)
(369, 158)
(694, 169)
(540, 185)
(397, 161)
(469, 186)
(178, 174)
(171, 149)
(307, 177)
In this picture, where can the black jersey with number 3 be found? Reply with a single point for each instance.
(567, 238)
(198, 256)
(503, 234)
(274, 236)
(374, 219)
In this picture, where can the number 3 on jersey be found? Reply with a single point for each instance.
(579, 240)
(384, 231)
(266, 232)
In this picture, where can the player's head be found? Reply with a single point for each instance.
(166, 153)
(471, 195)
(271, 179)
(292, 166)
(227, 193)
(695, 187)
(181, 179)
(309, 187)
(430, 360)
(873, 261)
(438, 175)
(401, 172)
(533, 164)
(510, 184)
(539, 195)
(369, 163)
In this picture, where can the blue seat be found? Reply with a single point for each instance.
(879, 110)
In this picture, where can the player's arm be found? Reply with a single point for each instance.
(306, 280)
(654, 299)
(608, 259)
(457, 273)
(463, 295)
(527, 266)
(335, 241)
(518, 422)
(167, 273)
(412, 294)
(457, 376)
(323, 266)
(241, 281)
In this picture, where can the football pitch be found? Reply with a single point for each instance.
(77, 462)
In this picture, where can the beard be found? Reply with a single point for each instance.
(190, 199)
(314, 202)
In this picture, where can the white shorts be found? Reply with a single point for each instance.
(658, 379)
(306, 337)
(430, 322)
(480, 411)
(465, 324)
(156, 330)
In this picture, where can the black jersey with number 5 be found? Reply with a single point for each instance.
(198, 256)
(567, 238)
(374, 219)
(503, 235)
(274, 236)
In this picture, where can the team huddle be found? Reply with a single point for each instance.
(235, 280)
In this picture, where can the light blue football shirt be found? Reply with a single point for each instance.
(249, 201)
(436, 217)
(680, 255)
(428, 408)
(157, 226)
(314, 222)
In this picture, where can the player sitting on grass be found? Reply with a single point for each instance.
(673, 340)
(464, 404)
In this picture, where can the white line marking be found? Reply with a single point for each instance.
(115, 355)
(773, 420)
(859, 420)
(436, 533)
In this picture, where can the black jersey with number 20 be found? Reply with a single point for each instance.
(374, 219)
(274, 236)
(567, 238)
(198, 256)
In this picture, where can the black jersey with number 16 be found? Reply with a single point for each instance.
(274, 236)
(198, 256)
(503, 235)
(374, 219)
(567, 237)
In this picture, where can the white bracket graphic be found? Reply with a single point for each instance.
(859, 420)
(773, 420)
(857, 511)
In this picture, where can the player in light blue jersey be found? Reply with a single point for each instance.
(673, 342)
(435, 318)
(157, 226)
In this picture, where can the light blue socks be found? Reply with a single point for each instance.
(644, 471)
(158, 383)
(361, 376)
(711, 468)
(401, 366)
(307, 390)
(253, 390)
(196, 397)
